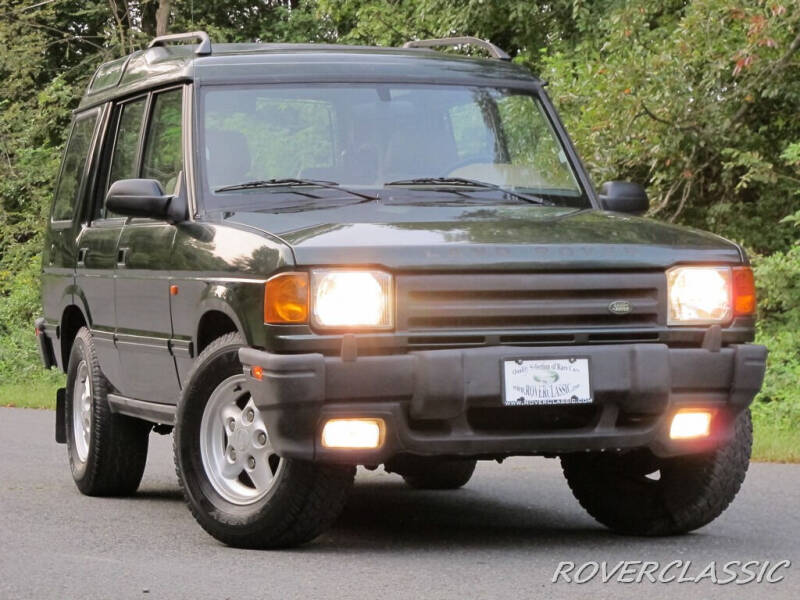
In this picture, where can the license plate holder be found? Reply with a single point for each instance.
(546, 381)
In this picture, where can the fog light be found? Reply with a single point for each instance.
(687, 424)
(353, 433)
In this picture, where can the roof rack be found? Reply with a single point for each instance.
(496, 52)
(203, 48)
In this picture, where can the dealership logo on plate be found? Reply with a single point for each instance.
(546, 377)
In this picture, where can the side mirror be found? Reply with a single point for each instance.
(138, 198)
(624, 196)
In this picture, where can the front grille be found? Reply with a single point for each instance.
(528, 302)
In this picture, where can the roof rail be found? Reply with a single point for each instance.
(203, 48)
(458, 41)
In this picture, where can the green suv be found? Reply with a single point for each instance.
(305, 258)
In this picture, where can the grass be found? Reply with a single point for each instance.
(772, 443)
(40, 394)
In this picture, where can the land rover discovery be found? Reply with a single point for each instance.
(306, 258)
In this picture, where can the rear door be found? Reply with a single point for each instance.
(142, 286)
(99, 238)
(60, 251)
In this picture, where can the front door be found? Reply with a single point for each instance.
(142, 286)
(144, 324)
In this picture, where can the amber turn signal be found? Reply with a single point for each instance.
(286, 298)
(744, 291)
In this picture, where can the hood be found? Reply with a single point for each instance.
(505, 237)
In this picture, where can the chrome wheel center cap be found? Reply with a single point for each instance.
(239, 439)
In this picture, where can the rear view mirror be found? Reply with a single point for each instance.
(624, 196)
(138, 198)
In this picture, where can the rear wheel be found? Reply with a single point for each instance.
(431, 473)
(107, 451)
(237, 487)
(637, 493)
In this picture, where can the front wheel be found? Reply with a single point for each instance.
(637, 493)
(237, 487)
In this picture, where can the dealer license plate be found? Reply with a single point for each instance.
(546, 382)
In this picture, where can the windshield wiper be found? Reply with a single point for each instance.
(464, 182)
(293, 182)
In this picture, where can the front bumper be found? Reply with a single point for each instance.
(449, 402)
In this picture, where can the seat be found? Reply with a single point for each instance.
(228, 157)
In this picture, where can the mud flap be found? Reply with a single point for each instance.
(61, 416)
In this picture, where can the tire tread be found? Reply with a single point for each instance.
(708, 485)
(118, 449)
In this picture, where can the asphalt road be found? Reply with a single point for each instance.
(502, 536)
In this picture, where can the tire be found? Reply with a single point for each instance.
(107, 451)
(272, 502)
(691, 492)
(427, 473)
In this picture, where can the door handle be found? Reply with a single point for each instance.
(82, 256)
(122, 257)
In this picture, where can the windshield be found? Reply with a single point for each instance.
(269, 143)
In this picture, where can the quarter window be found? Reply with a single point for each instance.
(74, 165)
(163, 157)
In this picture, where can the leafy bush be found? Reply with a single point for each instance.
(778, 282)
(19, 304)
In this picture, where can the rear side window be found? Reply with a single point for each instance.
(163, 157)
(73, 167)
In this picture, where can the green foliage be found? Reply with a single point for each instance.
(696, 99)
(778, 279)
(19, 290)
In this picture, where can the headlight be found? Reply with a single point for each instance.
(699, 295)
(351, 298)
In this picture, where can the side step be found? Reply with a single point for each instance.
(147, 411)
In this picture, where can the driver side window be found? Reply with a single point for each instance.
(125, 159)
(163, 154)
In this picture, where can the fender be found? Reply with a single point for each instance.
(228, 298)
(78, 298)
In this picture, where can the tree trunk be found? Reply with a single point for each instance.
(162, 16)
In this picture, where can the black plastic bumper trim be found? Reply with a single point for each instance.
(297, 393)
(44, 344)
